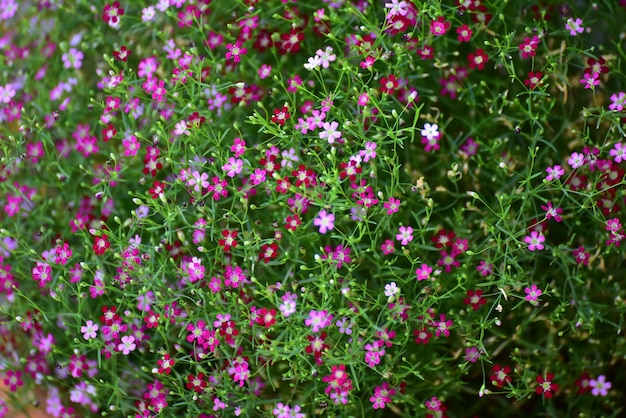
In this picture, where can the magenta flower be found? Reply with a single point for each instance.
(535, 240)
(325, 221)
(532, 294)
(554, 173)
(552, 212)
(318, 320)
(423, 272)
(600, 386)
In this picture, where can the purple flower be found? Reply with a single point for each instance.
(600, 386)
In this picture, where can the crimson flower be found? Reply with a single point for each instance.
(112, 13)
(546, 387)
(478, 59)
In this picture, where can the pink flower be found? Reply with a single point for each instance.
(534, 241)
(405, 235)
(387, 247)
(532, 294)
(423, 272)
(554, 173)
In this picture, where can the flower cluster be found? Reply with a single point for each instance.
(288, 209)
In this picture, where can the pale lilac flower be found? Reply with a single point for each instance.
(618, 152)
(396, 8)
(147, 14)
(345, 326)
(600, 386)
(233, 166)
(89, 330)
(7, 92)
(391, 289)
(330, 132)
(73, 58)
(314, 62)
(326, 56)
(369, 152)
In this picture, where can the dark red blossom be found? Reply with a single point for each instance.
(112, 13)
(122, 54)
(281, 115)
(546, 385)
(101, 244)
(478, 59)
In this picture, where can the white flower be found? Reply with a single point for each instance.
(313, 63)
(431, 132)
(391, 290)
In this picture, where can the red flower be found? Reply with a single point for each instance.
(388, 84)
(195, 120)
(229, 241)
(546, 386)
(266, 317)
(304, 176)
(500, 376)
(109, 315)
(281, 115)
(108, 132)
(157, 189)
(112, 12)
(443, 238)
(151, 166)
(122, 54)
(478, 59)
(282, 185)
(268, 252)
(597, 66)
(582, 383)
(533, 80)
(291, 42)
(317, 346)
(197, 383)
(166, 363)
(475, 298)
(349, 170)
(152, 319)
(292, 222)
(101, 244)
(422, 336)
